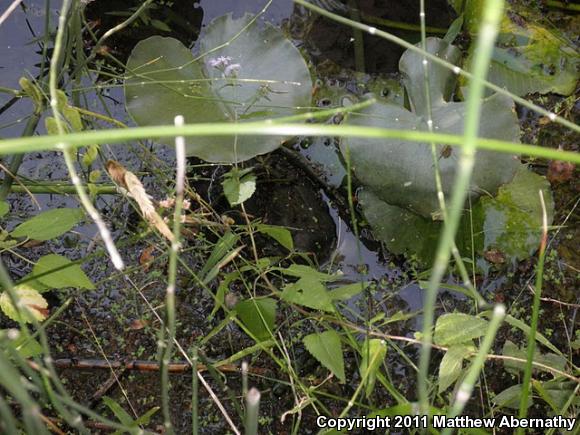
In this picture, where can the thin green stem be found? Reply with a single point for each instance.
(488, 31)
(523, 411)
(76, 140)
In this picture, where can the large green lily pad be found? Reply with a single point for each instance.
(509, 225)
(402, 173)
(249, 73)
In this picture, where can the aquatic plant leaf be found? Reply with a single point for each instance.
(49, 224)
(402, 231)
(510, 224)
(374, 352)
(458, 328)
(452, 364)
(513, 219)
(530, 56)
(248, 73)
(254, 312)
(55, 271)
(33, 305)
(326, 348)
(402, 173)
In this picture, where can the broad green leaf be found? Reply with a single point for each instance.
(56, 271)
(326, 348)
(4, 208)
(309, 293)
(238, 188)
(531, 54)
(374, 352)
(458, 328)
(254, 312)
(451, 365)
(549, 359)
(512, 221)
(402, 173)
(49, 224)
(346, 292)
(280, 234)
(33, 305)
(257, 75)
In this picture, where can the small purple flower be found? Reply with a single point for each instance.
(232, 70)
(220, 62)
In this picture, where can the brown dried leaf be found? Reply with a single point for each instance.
(117, 172)
(133, 185)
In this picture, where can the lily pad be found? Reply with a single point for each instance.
(402, 173)
(509, 224)
(245, 73)
(531, 54)
(512, 221)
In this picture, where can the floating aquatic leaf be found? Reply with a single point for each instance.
(508, 226)
(512, 221)
(49, 224)
(248, 73)
(531, 54)
(402, 173)
(326, 348)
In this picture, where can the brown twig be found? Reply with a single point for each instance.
(144, 366)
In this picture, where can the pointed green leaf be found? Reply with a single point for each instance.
(326, 348)
(458, 328)
(259, 316)
(374, 352)
(451, 365)
(4, 208)
(56, 271)
(308, 292)
(49, 224)
(280, 234)
(346, 292)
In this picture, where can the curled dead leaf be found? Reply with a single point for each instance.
(133, 185)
